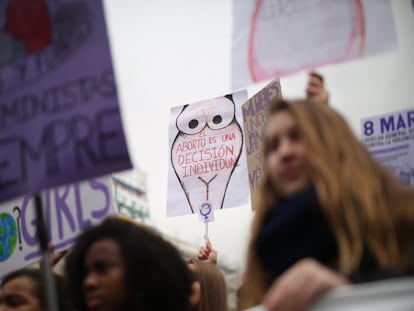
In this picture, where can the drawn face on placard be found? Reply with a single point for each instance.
(206, 150)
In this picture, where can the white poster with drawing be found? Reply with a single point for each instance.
(274, 38)
(67, 210)
(390, 139)
(207, 162)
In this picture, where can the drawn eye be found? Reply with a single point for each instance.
(191, 120)
(217, 119)
(221, 113)
(193, 124)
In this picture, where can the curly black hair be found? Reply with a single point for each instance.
(157, 278)
(39, 289)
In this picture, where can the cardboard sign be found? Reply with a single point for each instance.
(67, 211)
(59, 116)
(254, 119)
(207, 161)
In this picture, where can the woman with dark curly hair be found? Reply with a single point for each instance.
(24, 290)
(119, 265)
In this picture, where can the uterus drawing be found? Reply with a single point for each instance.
(206, 150)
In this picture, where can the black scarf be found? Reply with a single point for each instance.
(295, 228)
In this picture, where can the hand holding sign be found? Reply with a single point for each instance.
(208, 253)
(315, 89)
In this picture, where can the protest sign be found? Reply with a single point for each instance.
(254, 118)
(59, 116)
(208, 163)
(67, 210)
(390, 139)
(274, 38)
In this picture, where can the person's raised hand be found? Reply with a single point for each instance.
(55, 257)
(208, 253)
(315, 89)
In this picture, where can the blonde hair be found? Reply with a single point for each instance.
(213, 286)
(366, 205)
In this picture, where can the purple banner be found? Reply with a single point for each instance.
(59, 116)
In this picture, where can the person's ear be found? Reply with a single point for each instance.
(195, 294)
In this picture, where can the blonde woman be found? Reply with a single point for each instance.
(327, 213)
(209, 288)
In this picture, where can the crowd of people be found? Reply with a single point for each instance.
(326, 215)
